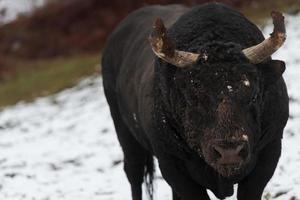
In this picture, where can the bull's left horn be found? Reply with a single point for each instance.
(258, 53)
(164, 48)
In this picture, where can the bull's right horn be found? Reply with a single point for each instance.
(164, 48)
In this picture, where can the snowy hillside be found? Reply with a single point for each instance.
(64, 147)
(15, 7)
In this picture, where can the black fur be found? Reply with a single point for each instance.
(177, 114)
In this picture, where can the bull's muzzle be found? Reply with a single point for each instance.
(230, 153)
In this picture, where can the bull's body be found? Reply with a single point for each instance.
(139, 93)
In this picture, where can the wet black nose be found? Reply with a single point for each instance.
(232, 154)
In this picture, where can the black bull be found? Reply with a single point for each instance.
(212, 112)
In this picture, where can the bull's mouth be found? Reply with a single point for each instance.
(229, 170)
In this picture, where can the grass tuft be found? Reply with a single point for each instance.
(43, 77)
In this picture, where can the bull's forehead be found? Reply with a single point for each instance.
(241, 83)
(208, 83)
(228, 83)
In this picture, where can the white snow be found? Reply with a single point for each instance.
(13, 8)
(64, 147)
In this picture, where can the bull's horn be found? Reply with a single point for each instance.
(164, 48)
(258, 53)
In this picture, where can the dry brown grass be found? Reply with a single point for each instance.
(33, 79)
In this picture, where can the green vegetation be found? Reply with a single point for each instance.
(40, 78)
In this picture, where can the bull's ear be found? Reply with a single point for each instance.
(273, 71)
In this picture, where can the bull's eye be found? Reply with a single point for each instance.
(245, 81)
(254, 99)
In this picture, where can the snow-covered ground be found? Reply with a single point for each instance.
(15, 7)
(64, 147)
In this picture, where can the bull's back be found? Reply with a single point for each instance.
(127, 65)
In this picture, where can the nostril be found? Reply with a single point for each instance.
(225, 154)
(244, 151)
(217, 154)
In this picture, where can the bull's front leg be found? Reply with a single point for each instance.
(252, 186)
(177, 177)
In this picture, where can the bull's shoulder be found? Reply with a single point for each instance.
(276, 107)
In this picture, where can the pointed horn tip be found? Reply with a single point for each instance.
(279, 25)
(159, 29)
(158, 24)
(276, 15)
(278, 21)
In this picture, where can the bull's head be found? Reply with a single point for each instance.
(221, 94)
(164, 48)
